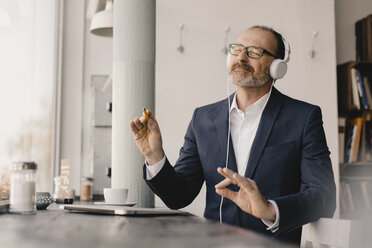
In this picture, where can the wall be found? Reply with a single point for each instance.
(347, 13)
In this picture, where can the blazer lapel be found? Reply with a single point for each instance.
(267, 121)
(221, 122)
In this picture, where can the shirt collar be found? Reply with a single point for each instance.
(259, 104)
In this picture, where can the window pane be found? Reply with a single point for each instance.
(27, 68)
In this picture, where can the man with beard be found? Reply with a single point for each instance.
(279, 174)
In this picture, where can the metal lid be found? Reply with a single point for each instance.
(23, 165)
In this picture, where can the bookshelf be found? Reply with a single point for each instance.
(354, 88)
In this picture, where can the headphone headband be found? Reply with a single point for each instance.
(278, 67)
(287, 49)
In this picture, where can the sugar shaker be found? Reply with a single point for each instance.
(22, 187)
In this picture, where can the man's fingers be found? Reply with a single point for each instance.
(252, 183)
(223, 183)
(152, 123)
(138, 123)
(149, 113)
(235, 178)
(153, 126)
(229, 194)
(243, 182)
(223, 172)
(226, 172)
(151, 116)
(133, 127)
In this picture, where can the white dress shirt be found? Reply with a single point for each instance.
(243, 128)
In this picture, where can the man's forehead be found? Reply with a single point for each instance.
(258, 37)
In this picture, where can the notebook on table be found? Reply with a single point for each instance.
(121, 210)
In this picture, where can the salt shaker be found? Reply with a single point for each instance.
(22, 188)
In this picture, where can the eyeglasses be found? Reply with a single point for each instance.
(252, 51)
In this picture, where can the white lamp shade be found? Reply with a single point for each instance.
(102, 22)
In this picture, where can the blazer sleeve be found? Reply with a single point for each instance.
(317, 195)
(179, 185)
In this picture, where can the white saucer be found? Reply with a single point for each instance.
(128, 204)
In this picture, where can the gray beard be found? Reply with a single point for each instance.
(250, 81)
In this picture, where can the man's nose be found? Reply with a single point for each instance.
(242, 57)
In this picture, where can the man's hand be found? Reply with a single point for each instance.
(148, 138)
(248, 198)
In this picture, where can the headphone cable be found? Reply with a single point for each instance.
(228, 138)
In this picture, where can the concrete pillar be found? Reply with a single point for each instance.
(133, 89)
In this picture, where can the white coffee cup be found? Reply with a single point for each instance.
(115, 196)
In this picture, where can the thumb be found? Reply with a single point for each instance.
(153, 125)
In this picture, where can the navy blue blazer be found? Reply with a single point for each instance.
(289, 161)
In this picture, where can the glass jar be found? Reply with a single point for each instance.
(22, 188)
(86, 193)
(57, 188)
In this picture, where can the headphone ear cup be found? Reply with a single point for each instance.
(228, 59)
(278, 69)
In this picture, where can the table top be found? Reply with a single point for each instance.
(59, 228)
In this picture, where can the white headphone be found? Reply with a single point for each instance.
(278, 67)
